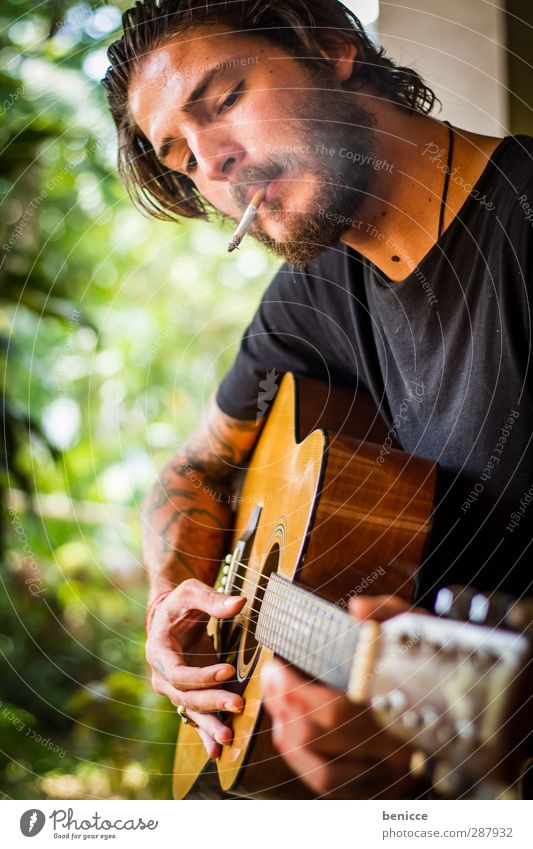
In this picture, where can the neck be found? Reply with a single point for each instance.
(398, 223)
(315, 635)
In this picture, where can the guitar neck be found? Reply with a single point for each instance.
(313, 634)
(456, 688)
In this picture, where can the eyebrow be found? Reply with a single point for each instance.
(197, 93)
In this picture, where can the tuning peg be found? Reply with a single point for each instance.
(397, 700)
(445, 780)
(421, 765)
(465, 729)
(411, 719)
(467, 604)
(520, 617)
(479, 608)
(454, 602)
(429, 716)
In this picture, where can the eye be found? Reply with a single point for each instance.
(233, 97)
(191, 165)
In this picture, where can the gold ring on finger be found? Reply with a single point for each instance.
(181, 710)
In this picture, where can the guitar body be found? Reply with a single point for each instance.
(324, 506)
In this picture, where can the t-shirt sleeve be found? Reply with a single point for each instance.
(284, 335)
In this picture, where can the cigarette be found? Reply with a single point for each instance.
(247, 219)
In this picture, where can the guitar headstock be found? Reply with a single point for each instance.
(455, 691)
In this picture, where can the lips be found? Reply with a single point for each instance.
(253, 189)
(271, 187)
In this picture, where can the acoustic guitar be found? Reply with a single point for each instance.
(329, 508)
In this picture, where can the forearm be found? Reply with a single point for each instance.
(187, 517)
(186, 524)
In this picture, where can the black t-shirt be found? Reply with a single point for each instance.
(445, 354)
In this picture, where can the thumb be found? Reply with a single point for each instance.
(227, 606)
(194, 595)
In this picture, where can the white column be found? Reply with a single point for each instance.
(458, 46)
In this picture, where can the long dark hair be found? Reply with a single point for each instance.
(293, 25)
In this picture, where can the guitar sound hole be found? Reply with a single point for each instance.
(248, 642)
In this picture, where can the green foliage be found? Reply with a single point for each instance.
(114, 330)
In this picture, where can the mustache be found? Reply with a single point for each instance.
(265, 173)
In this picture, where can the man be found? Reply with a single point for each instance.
(408, 248)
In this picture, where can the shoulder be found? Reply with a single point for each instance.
(523, 174)
(508, 185)
(513, 161)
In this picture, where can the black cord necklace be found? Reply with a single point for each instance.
(446, 178)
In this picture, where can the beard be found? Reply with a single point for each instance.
(327, 122)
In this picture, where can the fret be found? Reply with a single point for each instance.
(304, 645)
(282, 636)
(306, 630)
(322, 649)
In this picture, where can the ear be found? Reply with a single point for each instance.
(340, 52)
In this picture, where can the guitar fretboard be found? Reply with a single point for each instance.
(307, 631)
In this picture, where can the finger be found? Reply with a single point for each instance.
(312, 718)
(212, 729)
(214, 732)
(213, 749)
(205, 701)
(163, 652)
(197, 678)
(336, 729)
(286, 692)
(194, 595)
(318, 715)
(322, 775)
(379, 607)
(339, 777)
(344, 771)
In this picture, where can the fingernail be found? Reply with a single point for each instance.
(223, 674)
(220, 740)
(231, 600)
(232, 708)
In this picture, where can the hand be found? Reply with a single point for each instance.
(336, 746)
(183, 662)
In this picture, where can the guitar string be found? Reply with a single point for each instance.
(260, 574)
(327, 640)
(300, 603)
(302, 606)
(296, 601)
(258, 587)
(247, 567)
(322, 616)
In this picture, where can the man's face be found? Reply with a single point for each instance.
(264, 118)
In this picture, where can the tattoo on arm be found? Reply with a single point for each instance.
(168, 532)
(187, 511)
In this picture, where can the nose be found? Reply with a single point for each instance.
(217, 154)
